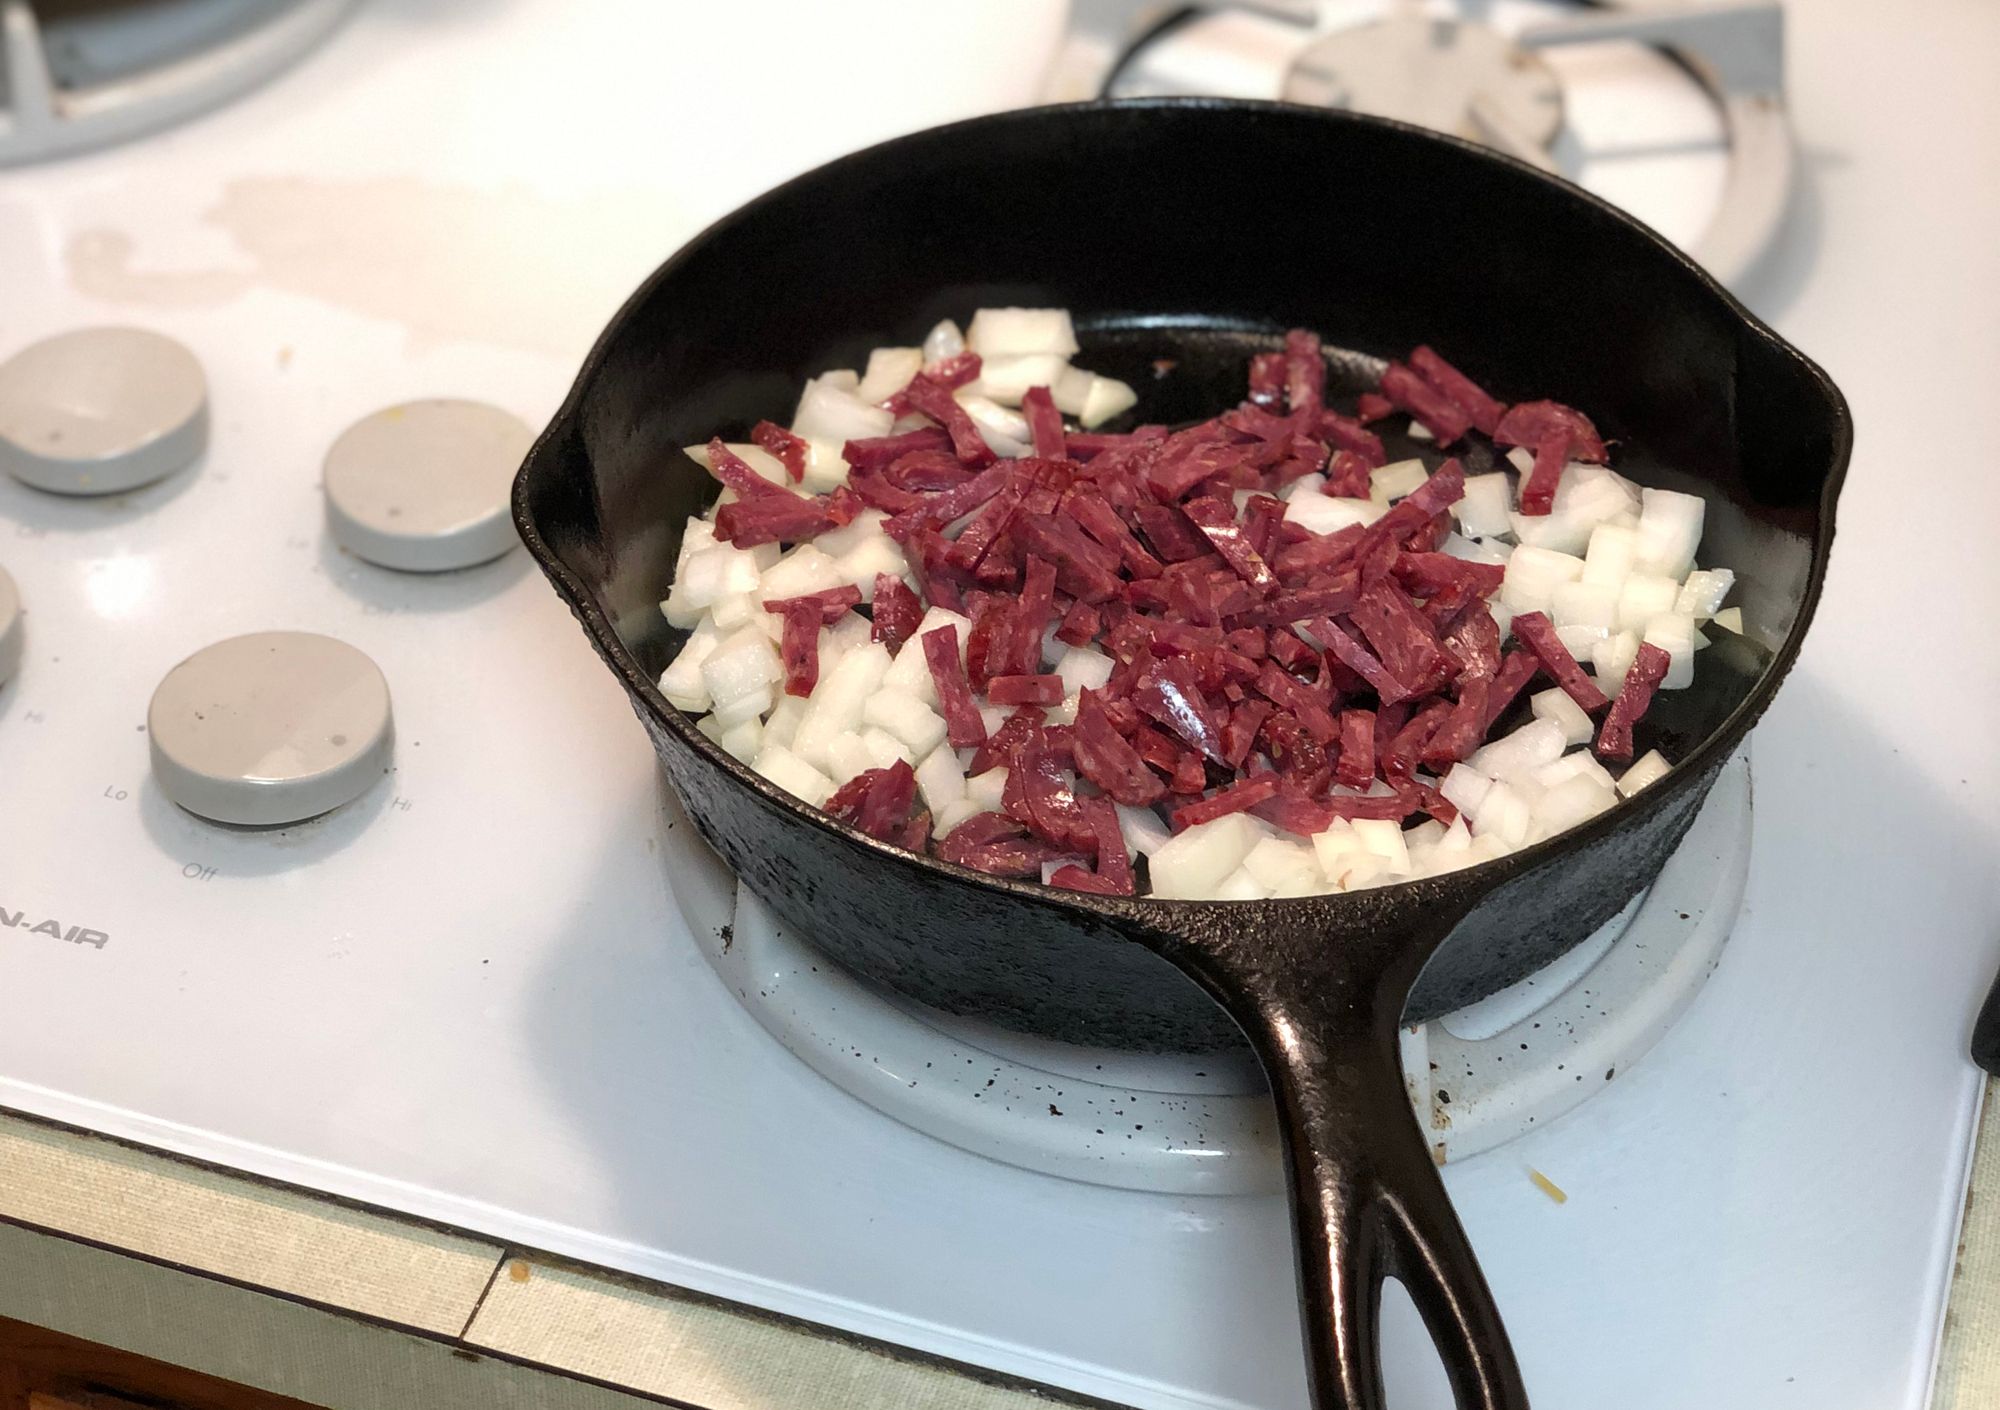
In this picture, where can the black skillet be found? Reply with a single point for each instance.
(1195, 230)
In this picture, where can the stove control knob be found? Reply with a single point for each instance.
(423, 487)
(101, 411)
(10, 628)
(271, 728)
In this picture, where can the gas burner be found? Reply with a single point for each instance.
(77, 74)
(1203, 1124)
(1675, 112)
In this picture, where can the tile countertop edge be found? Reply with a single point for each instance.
(167, 1256)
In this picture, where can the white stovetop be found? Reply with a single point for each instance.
(469, 995)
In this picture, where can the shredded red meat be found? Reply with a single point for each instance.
(790, 449)
(896, 610)
(1538, 634)
(1256, 665)
(1649, 668)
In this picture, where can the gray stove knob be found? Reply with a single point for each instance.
(423, 487)
(270, 728)
(101, 411)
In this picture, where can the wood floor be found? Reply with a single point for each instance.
(44, 1370)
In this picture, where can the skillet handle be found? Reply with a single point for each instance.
(1367, 1204)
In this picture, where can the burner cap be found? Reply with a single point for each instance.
(1445, 75)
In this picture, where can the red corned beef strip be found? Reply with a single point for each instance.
(1173, 537)
(896, 611)
(979, 538)
(1474, 642)
(1267, 379)
(1006, 742)
(926, 471)
(1045, 428)
(1432, 573)
(1236, 798)
(1372, 406)
(1105, 758)
(1350, 435)
(1025, 690)
(1538, 634)
(1464, 728)
(734, 471)
(994, 843)
(936, 401)
(1087, 445)
(1305, 371)
(1358, 805)
(1401, 635)
(1425, 403)
(1080, 625)
(1114, 866)
(949, 373)
(1098, 519)
(1084, 569)
(783, 517)
(1169, 692)
(1360, 660)
(1649, 668)
(963, 727)
(1531, 423)
(1240, 734)
(798, 647)
(1292, 694)
(829, 606)
(1399, 760)
(940, 509)
(1517, 668)
(1218, 524)
(878, 802)
(929, 553)
(1295, 810)
(791, 450)
(1464, 393)
(880, 452)
(1357, 748)
(1538, 491)
(1347, 475)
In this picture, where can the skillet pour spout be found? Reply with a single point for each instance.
(1196, 231)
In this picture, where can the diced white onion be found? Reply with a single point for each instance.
(805, 569)
(1730, 619)
(1239, 885)
(836, 703)
(940, 781)
(1009, 332)
(1538, 742)
(1669, 531)
(911, 671)
(944, 819)
(792, 773)
(1144, 833)
(682, 681)
(1612, 658)
(1612, 555)
(986, 789)
(889, 371)
(1464, 786)
(1673, 633)
(1195, 862)
(1650, 767)
(1084, 668)
(827, 412)
(1396, 479)
(1323, 514)
(943, 341)
(1482, 510)
(1556, 707)
(1534, 574)
(743, 663)
(1008, 379)
(1278, 862)
(919, 727)
(783, 721)
(1106, 398)
(1644, 597)
(1384, 838)
(1703, 593)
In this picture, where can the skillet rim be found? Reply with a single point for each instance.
(1478, 882)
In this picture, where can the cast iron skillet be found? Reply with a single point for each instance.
(1194, 230)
